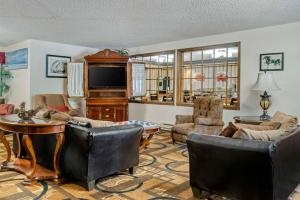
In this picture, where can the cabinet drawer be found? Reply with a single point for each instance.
(107, 109)
(108, 117)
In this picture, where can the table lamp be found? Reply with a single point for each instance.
(265, 83)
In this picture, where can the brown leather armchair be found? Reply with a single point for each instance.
(53, 100)
(207, 118)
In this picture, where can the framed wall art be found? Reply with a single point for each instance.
(271, 62)
(17, 59)
(56, 66)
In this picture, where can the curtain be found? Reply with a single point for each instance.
(75, 79)
(138, 80)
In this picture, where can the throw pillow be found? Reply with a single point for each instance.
(229, 130)
(288, 122)
(75, 112)
(61, 108)
(252, 127)
(60, 116)
(43, 113)
(267, 135)
(94, 123)
(6, 109)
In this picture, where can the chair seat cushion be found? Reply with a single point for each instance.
(187, 128)
(183, 129)
(209, 121)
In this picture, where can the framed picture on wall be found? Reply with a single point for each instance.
(56, 66)
(271, 62)
(17, 59)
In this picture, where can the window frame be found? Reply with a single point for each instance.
(158, 53)
(180, 74)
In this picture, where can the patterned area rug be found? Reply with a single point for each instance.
(162, 175)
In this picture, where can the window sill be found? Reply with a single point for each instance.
(152, 102)
(224, 107)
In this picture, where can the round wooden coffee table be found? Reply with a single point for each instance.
(29, 167)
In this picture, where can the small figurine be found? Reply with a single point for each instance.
(23, 114)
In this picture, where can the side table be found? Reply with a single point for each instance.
(29, 167)
(248, 120)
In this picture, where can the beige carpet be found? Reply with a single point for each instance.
(162, 174)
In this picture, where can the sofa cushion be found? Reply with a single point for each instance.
(229, 130)
(216, 108)
(94, 123)
(288, 122)
(267, 135)
(253, 127)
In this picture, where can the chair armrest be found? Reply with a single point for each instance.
(181, 119)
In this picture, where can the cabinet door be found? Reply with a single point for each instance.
(93, 112)
(121, 113)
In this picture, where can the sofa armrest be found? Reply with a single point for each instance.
(236, 168)
(181, 119)
(286, 161)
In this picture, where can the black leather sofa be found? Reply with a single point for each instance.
(244, 169)
(91, 153)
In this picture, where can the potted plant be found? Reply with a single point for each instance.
(5, 76)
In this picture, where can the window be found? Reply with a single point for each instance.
(159, 69)
(213, 70)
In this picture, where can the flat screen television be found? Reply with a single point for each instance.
(107, 77)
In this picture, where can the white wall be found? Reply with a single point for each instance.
(20, 84)
(39, 49)
(28, 82)
(283, 38)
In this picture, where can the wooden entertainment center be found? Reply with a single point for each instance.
(107, 103)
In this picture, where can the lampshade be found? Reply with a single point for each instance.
(2, 58)
(265, 82)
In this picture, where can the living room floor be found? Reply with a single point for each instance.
(162, 174)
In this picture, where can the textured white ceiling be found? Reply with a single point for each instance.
(129, 23)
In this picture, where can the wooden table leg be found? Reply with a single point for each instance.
(19, 145)
(6, 144)
(59, 141)
(27, 143)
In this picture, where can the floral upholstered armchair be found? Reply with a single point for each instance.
(207, 118)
